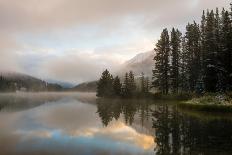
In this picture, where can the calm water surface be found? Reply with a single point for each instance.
(78, 123)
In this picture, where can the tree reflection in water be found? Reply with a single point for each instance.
(180, 133)
(176, 132)
(109, 109)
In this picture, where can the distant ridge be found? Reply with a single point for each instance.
(13, 81)
(86, 87)
(142, 62)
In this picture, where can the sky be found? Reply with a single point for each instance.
(75, 40)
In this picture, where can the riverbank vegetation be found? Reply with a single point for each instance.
(210, 102)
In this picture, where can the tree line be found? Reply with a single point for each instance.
(198, 60)
(14, 84)
(109, 86)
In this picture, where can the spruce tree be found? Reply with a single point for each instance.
(184, 57)
(175, 45)
(117, 86)
(147, 85)
(105, 85)
(142, 83)
(192, 38)
(132, 85)
(210, 68)
(162, 67)
(226, 54)
(126, 86)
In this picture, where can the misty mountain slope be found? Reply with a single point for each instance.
(86, 87)
(12, 81)
(142, 62)
(64, 84)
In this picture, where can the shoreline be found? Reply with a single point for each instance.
(209, 103)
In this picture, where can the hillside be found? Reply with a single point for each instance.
(12, 81)
(86, 87)
(142, 62)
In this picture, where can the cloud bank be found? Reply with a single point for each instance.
(74, 40)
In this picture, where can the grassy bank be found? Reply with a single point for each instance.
(178, 97)
(210, 103)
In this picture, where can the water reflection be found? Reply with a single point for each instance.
(109, 109)
(175, 131)
(81, 124)
(179, 133)
(68, 125)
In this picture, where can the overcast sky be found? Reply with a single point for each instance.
(74, 40)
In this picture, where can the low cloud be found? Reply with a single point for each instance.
(75, 40)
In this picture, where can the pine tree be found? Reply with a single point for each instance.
(126, 86)
(217, 30)
(117, 86)
(132, 85)
(192, 38)
(226, 54)
(105, 85)
(162, 67)
(175, 45)
(142, 83)
(210, 68)
(147, 85)
(184, 57)
(202, 43)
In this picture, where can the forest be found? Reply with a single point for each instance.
(197, 60)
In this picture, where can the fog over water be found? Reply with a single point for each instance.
(79, 123)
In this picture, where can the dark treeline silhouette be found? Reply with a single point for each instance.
(108, 86)
(199, 60)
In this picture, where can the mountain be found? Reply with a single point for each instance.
(86, 87)
(64, 84)
(12, 81)
(142, 62)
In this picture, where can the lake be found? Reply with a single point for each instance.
(79, 123)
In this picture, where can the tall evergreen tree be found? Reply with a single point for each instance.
(175, 45)
(142, 83)
(105, 85)
(162, 66)
(132, 85)
(210, 68)
(126, 86)
(147, 85)
(184, 57)
(226, 54)
(192, 38)
(117, 86)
